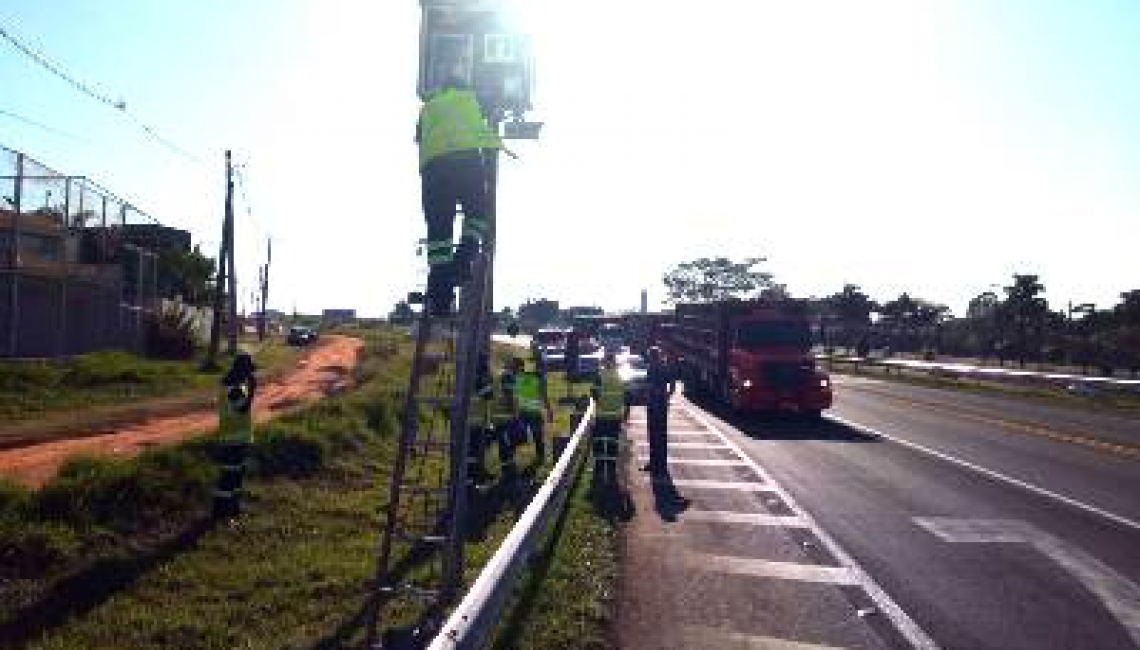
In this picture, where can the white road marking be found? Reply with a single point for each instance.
(1124, 521)
(700, 462)
(830, 575)
(729, 517)
(699, 636)
(744, 486)
(687, 445)
(1119, 595)
(915, 635)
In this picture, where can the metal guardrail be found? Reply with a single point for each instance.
(984, 372)
(476, 616)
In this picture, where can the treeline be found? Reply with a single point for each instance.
(1015, 325)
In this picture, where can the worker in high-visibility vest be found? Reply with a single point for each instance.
(534, 404)
(505, 418)
(235, 434)
(610, 414)
(480, 424)
(457, 145)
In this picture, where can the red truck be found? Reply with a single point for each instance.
(752, 355)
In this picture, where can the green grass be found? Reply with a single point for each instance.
(567, 598)
(293, 572)
(33, 389)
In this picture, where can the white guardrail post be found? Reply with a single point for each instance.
(476, 616)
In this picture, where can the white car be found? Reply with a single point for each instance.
(634, 372)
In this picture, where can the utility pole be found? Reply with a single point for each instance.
(265, 288)
(231, 345)
(220, 303)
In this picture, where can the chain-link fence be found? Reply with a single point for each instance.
(77, 271)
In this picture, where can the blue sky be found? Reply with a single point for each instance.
(934, 148)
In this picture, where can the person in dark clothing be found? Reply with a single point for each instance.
(573, 352)
(662, 385)
(235, 433)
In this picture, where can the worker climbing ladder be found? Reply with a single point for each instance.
(421, 550)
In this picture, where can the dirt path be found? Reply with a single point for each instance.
(326, 369)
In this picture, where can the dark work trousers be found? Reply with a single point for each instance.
(606, 440)
(227, 494)
(657, 417)
(508, 437)
(535, 427)
(458, 178)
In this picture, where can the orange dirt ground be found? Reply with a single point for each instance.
(324, 370)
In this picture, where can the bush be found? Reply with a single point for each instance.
(287, 450)
(170, 333)
(14, 498)
(30, 548)
(126, 495)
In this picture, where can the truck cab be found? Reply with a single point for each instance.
(770, 366)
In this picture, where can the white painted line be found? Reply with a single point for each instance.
(915, 635)
(687, 445)
(700, 462)
(1119, 595)
(831, 575)
(743, 486)
(729, 517)
(1124, 521)
(700, 636)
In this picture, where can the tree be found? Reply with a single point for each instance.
(984, 324)
(187, 274)
(1024, 312)
(537, 313)
(711, 279)
(401, 314)
(851, 310)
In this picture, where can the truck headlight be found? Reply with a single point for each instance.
(824, 382)
(747, 383)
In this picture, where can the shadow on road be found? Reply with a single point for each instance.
(784, 426)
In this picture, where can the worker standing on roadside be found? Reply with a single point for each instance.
(456, 146)
(235, 434)
(534, 404)
(661, 387)
(609, 394)
(505, 417)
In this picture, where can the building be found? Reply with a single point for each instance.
(71, 278)
(334, 317)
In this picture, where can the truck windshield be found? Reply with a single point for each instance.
(770, 334)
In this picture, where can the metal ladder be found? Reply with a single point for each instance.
(427, 496)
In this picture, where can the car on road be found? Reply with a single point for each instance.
(550, 346)
(300, 336)
(633, 371)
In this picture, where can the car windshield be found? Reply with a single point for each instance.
(773, 333)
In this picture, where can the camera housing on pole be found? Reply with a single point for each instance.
(480, 42)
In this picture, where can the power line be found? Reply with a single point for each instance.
(86, 89)
(42, 126)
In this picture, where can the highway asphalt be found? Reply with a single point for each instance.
(919, 518)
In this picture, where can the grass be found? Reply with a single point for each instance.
(293, 572)
(1122, 402)
(31, 390)
(567, 598)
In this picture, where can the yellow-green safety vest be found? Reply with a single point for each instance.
(611, 396)
(451, 121)
(234, 425)
(528, 389)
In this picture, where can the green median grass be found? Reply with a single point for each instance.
(293, 572)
